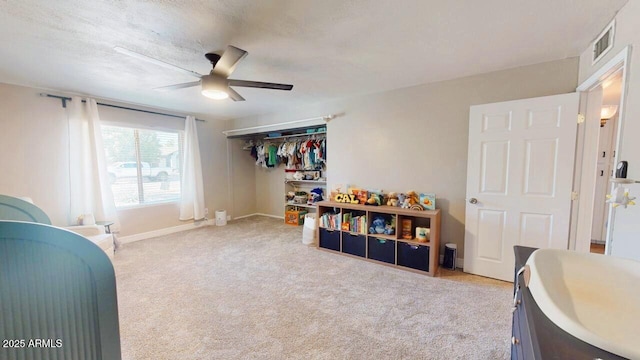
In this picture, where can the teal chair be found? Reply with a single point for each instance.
(17, 209)
(57, 295)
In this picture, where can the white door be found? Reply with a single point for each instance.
(519, 179)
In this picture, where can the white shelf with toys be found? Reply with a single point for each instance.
(389, 235)
(308, 206)
(303, 189)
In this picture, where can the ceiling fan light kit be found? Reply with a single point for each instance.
(217, 84)
(215, 87)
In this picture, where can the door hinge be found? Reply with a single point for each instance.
(580, 118)
(574, 195)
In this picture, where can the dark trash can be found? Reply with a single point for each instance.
(450, 255)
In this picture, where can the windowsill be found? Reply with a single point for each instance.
(146, 205)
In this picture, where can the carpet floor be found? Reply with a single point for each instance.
(252, 290)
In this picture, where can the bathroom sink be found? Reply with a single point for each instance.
(594, 297)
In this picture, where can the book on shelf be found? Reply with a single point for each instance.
(359, 224)
(331, 221)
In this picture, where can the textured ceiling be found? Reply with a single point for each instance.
(328, 49)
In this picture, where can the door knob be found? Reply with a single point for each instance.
(473, 201)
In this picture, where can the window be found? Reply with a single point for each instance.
(143, 165)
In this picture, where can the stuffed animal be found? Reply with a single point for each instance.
(393, 199)
(401, 198)
(406, 204)
(315, 195)
(389, 230)
(377, 226)
(413, 197)
(374, 199)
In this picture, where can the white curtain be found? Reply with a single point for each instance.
(192, 202)
(90, 190)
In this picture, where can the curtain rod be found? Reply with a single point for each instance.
(326, 118)
(64, 100)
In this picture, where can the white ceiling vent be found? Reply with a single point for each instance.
(604, 42)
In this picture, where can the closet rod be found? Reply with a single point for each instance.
(231, 132)
(64, 100)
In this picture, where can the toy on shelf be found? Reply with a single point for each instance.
(413, 197)
(315, 195)
(374, 199)
(290, 196)
(411, 201)
(361, 195)
(401, 198)
(377, 225)
(422, 234)
(428, 201)
(407, 226)
(380, 226)
(300, 197)
(393, 199)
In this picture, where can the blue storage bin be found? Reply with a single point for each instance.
(354, 244)
(382, 250)
(330, 239)
(413, 256)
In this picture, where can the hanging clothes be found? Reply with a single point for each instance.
(273, 157)
(301, 154)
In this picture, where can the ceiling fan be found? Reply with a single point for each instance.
(217, 84)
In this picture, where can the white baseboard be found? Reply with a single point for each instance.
(244, 216)
(459, 262)
(271, 216)
(259, 214)
(165, 231)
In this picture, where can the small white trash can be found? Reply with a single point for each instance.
(221, 217)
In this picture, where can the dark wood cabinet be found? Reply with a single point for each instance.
(534, 336)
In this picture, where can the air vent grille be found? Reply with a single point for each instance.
(603, 43)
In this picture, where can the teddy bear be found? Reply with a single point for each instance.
(393, 199)
(413, 197)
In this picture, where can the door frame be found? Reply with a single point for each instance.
(582, 209)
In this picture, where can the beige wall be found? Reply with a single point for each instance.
(243, 180)
(626, 33)
(413, 138)
(34, 150)
(34, 155)
(270, 191)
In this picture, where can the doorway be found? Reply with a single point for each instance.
(602, 103)
(607, 145)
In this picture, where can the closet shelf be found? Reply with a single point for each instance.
(300, 205)
(296, 135)
(305, 181)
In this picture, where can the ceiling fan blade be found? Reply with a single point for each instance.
(149, 59)
(234, 95)
(229, 60)
(177, 86)
(259, 84)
